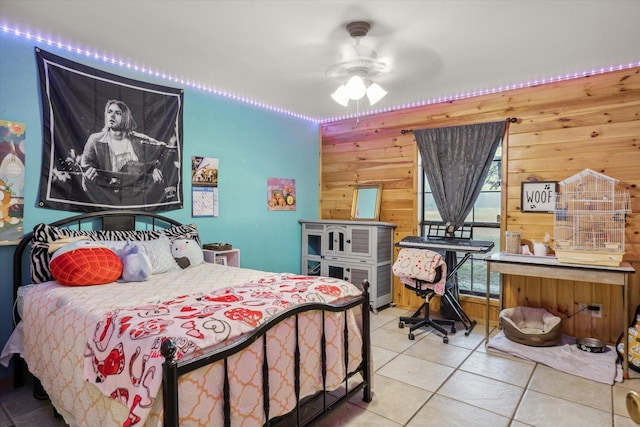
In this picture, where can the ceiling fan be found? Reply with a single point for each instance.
(358, 64)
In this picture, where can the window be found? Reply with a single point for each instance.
(485, 220)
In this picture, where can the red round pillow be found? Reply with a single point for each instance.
(85, 263)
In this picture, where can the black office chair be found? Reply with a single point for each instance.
(423, 291)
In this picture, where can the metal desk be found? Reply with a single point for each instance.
(550, 268)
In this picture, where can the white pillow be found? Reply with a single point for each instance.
(159, 252)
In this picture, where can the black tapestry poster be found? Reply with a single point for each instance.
(109, 142)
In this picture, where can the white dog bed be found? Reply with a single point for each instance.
(531, 326)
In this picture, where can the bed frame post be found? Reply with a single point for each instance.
(366, 343)
(168, 349)
(18, 363)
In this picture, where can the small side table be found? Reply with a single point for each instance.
(230, 257)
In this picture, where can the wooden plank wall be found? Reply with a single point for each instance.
(563, 127)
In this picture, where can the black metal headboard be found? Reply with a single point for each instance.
(115, 220)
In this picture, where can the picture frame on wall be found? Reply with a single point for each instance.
(539, 196)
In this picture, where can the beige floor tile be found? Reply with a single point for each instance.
(493, 330)
(417, 372)
(392, 315)
(354, 416)
(442, 411)
(570, 387)
(438, 352)
(20, 401)
(391, 340)
(4, 420)
(486, 393)
(620, 421)
(395, 400)
(381, 356)
(630, 384)
(508, 370)
(396, 312)
(386, 316)
(519, 424)
(471, 341)
(395, 326)
(540, 409)
(41, 417)
(620, 400)
(419, 333)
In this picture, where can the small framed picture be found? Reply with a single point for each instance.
(221, 259)
(538, 196)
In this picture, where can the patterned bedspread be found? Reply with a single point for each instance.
(96, 349)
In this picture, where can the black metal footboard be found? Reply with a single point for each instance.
(322, 402)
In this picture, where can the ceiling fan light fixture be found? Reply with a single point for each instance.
(375, 93)
(341, 95)
(358, 65)
(355, 87)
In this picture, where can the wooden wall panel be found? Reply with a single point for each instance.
(563, 127)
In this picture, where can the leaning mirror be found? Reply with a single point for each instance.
(366, 202)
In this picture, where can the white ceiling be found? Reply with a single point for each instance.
(277, 52)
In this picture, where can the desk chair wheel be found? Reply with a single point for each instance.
(411, 336)
(445, 339)
(453, 329)
(401, 324)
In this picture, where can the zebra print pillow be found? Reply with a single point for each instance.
(44, 234)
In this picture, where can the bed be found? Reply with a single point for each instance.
(295, 348)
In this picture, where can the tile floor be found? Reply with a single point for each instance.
(426, 382)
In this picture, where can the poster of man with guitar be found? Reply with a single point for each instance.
(109, 142)
(120, 162)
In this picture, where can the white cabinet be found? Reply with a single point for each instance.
(353, 251)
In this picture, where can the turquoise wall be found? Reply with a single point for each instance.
(251, 143)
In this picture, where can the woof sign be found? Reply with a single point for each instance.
(538, 196)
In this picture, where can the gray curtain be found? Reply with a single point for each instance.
(456, 161)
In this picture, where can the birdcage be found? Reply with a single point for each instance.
(590, 219)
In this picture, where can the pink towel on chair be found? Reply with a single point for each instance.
(420, 264)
